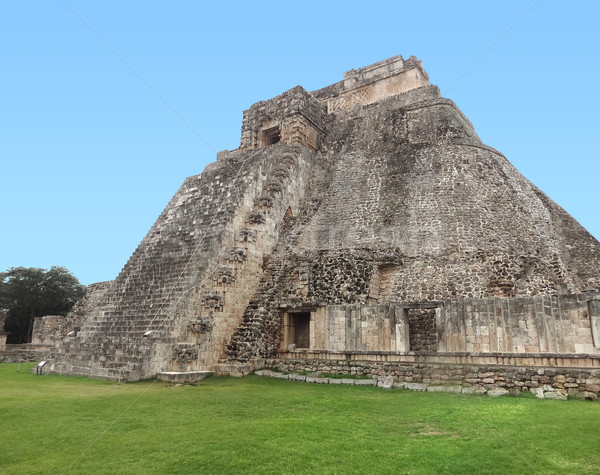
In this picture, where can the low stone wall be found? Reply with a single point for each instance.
(549, 383)
(24, 353)
(47, 328)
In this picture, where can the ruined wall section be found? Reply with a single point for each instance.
(535, 377)
(51, 328)
(373, 83)
(3, 334)
(566, 327)
(292, 117)
(554, 324)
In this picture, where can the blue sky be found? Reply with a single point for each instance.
(90, 155)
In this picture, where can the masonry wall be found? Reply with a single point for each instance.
(3, 334)
(50, 328)
(376, 90)
(46, 328)
(557, 326)
(543, 324)
(550, 383)
(363, 328)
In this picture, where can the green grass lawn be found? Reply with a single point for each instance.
(53, 424)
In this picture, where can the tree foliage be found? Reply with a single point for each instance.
(29, 292)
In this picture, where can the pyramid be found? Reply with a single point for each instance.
(364, 221)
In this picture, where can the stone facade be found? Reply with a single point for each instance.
(293, 117)
(365, 219)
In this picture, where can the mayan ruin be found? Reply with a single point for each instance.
(362, 228)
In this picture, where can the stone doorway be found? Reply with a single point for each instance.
(271, 136)
(296, 330)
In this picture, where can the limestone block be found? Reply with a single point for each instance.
(555, 395)
(416, 386)
(386, 383)
(365, 382)
(590, 396)
(297, 377)
(497, 392)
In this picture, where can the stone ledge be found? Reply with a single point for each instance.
(181, 377)
(544, 360)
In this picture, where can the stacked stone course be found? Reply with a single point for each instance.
(549, 383)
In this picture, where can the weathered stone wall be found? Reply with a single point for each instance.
(550, 383)
(422, 329)
(46, 329)
(22, 353)
(373, 83)
(363, 328)
(559, 324)
(293, 117)
(549, 326)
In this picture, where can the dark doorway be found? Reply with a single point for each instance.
(271, 136)
(300, 329)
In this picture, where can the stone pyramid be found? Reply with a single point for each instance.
(373, 195)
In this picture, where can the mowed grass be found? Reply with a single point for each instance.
(53, 424)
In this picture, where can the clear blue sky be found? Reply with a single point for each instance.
(90, 155)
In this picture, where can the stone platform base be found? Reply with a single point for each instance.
(181, 377)
(25, 352)
(494, 380)
(237, 369)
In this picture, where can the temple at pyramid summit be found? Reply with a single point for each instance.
(362, 228)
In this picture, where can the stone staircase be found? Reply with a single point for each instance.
(184, 290)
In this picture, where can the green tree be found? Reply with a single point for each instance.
(29, 292)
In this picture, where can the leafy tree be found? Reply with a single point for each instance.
(29, 292)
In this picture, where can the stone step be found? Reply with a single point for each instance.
(181, 377)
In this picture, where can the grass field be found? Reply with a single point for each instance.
(53, 424)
